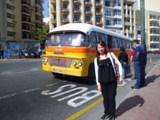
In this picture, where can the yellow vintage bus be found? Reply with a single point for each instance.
(71, 49)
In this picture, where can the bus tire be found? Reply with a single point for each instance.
(57, 75)
(91, 75)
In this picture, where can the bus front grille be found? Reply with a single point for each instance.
(61, 62)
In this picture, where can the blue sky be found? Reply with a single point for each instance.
(45, 7)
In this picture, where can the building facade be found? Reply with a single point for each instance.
(114, 15)
(153, 30)
(19, 18)
(74, 11)
(129, 18)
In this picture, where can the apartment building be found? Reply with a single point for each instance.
(74, 11)
(114, 15)
(129, 19)
(18, 18)
(153, 30)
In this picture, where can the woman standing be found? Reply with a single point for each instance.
(123, 58)
(106, 78)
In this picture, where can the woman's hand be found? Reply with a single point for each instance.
(99, 88)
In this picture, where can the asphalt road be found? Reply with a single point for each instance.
(28, 93)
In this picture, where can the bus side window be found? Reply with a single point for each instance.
(124, 43)
(101, 37)
(93, 39)
(114, 42)
(109, 41)
(120, 43)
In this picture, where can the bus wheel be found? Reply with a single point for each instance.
(91, 75)
(57, 75)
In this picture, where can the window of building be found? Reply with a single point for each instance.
(107, 3)
(98, 19)
(9, 24)
(117, 12)
(65, 16)
(10, 7)
(76, 18)
(108, 13)
(87, 9)
(76, 7)
(117, 21)
(9, 33)
(108, 22)
(10, 16)
(65, 6)
(98, 10)
(87, 18)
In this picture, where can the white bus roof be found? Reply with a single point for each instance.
(85, 28)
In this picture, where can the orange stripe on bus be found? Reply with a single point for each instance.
(70, 50)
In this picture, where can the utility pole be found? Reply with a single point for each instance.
(142, 14)
(143, 41)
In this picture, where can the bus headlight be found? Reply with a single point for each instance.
(44, 60)
(79, 63)
(74, 63)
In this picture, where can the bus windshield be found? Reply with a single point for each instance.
(67, 39)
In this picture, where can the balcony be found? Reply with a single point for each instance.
(65, 10)
(25, 3)
(77, 21)
(65, 1)
(154, 34)
(118, 16)
(154, 20)
(129, 1)
(98, 14)
(53, 1)
(76, 2)
(154, 42)
(99, 23)
(53, 21)
(98, 4)
(154, 27)
(65, 21)
(109, 7)
(53, 11)
(89, 22)
(88, 3)
(88, 12)
(127, 23)
(77, 11)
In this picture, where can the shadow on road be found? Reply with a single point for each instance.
(129, 103)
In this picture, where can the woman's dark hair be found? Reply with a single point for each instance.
(103, 44)
(122, 49)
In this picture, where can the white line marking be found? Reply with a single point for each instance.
(31, 90)
(8, 96)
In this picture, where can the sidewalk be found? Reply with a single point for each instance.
(141, 104)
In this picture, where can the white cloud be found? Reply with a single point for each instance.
(46, 20)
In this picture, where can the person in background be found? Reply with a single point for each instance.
(123, 58)
(137, 64)
(131, 63)
(1, 52)
(106, 80)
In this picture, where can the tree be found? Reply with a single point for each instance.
(40, 34)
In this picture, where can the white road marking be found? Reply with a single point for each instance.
(77, 101)
(31, 90)
(19, 72)
(8, 96)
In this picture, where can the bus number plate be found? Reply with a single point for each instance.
(57, 70)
